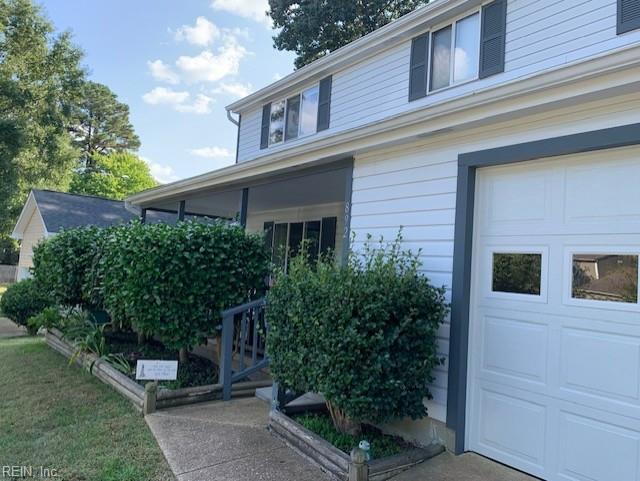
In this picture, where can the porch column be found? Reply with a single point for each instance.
(244, 203)
(143, 215)
(181, 210)
(346, 233)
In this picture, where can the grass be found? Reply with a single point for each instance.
(58, 416)
(382, 445)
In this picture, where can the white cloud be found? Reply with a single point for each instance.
(277, 76)
(165, 96)
(201, 105)
(163, 72)
(251, 9)
(162, 173)
(211, 152)
(209, 67)
(235, 89)
(202, 33)
(180, 101)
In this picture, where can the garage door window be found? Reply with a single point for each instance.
(605, 277)
(517, 273)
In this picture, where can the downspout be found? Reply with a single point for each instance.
(237, 124)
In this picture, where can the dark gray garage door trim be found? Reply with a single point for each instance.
(467, 164)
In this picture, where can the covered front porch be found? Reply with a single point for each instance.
(288, 205)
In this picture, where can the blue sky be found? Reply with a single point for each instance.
(176, 64)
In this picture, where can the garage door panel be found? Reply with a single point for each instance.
(602, 364)
(554, 372)
(603, 192)
(502, 438)
(594, 449)
(515, 348)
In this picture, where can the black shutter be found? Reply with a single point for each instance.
(324, 104)
(328, 235)
(418, 67)
(264, 131)
(493, 36)
(628, 15)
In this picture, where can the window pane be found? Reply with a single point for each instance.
(312, 236)
(467, 49)
(276, 127)
(309, 115)
(293, 117)
(280, 245)
(441, 58)
(328, 239)
(517, 273)
(605, 277)
(295, 237)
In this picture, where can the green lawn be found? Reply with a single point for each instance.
(56, 415)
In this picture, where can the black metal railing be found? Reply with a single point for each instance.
(244, 330)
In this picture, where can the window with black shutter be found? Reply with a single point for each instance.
(628, 15)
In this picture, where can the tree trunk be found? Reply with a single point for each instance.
(183, 355)
(141, 338)
(342, 422)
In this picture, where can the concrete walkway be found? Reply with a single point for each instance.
(9, 329)
(227, 441)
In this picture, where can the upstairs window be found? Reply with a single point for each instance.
(455, 53)
(466, 49)
(297, 116)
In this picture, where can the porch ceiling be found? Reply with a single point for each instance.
(296, 189)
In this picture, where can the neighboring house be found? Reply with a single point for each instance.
(47, 212)
(497, 133)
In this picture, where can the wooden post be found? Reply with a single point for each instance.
(358, 467)
(150, 397)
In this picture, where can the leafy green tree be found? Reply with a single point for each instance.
(114, 176)
(103, 124)
(40, 82)
(313, 28)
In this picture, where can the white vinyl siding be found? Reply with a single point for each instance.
(33, 234)
(541, 35)
(414, 186)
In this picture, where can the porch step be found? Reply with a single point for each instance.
(264, 393)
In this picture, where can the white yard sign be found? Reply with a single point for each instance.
(157, 370)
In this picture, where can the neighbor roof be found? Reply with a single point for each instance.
(60, 210)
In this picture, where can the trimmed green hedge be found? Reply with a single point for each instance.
(62, 263)
(363, 334)
(173, 281)
(23, 300)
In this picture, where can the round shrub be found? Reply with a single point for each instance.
(61, 265)
(174, 280)
(362, 334)
(23, 300)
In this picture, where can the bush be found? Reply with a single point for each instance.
(62, 263)
(173, 281)
(23, 300)
(49, 317)
(363, 334)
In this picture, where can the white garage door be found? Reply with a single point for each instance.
(554, 356)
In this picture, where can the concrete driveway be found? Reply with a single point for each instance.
(466, 467)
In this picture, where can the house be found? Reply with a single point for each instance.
(47, 212)
(500, 134)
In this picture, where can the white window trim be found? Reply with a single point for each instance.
(517, 249)
(452, 23)
(286, 112)
(569, 300)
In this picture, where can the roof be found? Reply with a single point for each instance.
(385, 37)
(60, 210)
